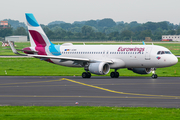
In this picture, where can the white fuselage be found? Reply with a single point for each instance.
(123, 56)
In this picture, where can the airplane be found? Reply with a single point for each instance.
(96, 59)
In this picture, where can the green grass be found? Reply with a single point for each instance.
(173, 47)
(36, 67)
(87, 113)
(19, 45)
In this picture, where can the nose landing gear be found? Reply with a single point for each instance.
(154, 75)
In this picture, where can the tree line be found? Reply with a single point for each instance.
(105, 29)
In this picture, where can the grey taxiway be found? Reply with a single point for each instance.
(96, 91)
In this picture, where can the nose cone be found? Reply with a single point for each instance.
(174, 60)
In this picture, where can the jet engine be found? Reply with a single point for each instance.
(141, 70)
(99, 68)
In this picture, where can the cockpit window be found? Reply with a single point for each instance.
(159, 52)
(167, 52)
(163, 52)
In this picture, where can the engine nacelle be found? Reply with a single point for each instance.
(100, 68)
(141, 70)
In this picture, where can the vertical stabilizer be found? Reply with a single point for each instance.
(38, 39)
(37, 36)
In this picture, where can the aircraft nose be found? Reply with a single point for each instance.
(174, 60)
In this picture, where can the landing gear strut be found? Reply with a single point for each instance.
(86, 75)
(115, 74)
(154, 75)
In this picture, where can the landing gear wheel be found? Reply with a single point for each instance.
(114, 74)
(86, 75)
(154, 76)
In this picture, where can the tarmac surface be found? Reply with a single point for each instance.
(96, 91)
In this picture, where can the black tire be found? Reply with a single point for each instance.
(116, 74)
(88, 75)
(113, 74)
(154, 76)
(84, 75)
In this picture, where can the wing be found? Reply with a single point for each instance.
(69, 58)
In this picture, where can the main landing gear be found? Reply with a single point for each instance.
(114, 74)
(86, 75)
(154, 75)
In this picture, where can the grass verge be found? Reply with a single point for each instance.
(36, 67)
(87, 113)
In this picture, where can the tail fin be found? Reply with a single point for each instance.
(37, 36)
(39, 40)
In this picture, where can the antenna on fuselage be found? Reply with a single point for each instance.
(83, 43)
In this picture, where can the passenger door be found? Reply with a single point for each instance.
(147, 54)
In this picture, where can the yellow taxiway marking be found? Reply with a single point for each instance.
(30, 82)
(12, 84)
(93, 86)
(113, 91)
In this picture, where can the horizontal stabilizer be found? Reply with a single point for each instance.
(13, 49)
(29, 51)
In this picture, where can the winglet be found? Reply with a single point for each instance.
(13, 49)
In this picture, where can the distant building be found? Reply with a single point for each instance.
(170, 38)
(148, 39)
(16, 38)
(4, 24)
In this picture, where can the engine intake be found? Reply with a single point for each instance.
(100, 68)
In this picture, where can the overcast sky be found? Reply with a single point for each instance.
(46, 11)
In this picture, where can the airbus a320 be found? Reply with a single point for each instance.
(96, 59)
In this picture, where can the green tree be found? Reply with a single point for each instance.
(20, 31)
(66, 26)
(87, 30)
(145, 33)
(75, 29)
(91, 23)
(126, 34)
(171, 32)
(100, 36)
(107, 22)
(178, 31)
(6, 32)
